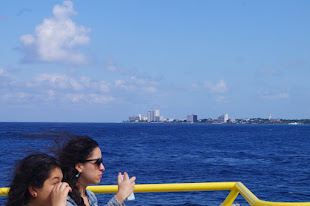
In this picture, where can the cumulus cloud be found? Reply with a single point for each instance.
(64, 82)
(18, 96)
(60, 80)
(62, 88)
(219, 87)
(90, 98)
(135, 84)
(56, 38)
(56, 88)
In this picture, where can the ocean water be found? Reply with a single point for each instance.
(273, 161)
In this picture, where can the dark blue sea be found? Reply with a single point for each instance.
(273, 161)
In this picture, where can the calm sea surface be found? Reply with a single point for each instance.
(273, 161)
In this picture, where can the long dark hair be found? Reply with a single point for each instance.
(75, 151)
(31, 171)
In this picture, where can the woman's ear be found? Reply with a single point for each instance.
(32, 191)
(79, 167)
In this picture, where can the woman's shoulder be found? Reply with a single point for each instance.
(90, 193)
(70, 201)
(91, 197)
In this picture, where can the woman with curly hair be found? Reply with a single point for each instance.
(81, 162)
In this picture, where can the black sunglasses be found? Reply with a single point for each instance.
(98, 161)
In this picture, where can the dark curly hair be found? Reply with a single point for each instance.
(31, 171)
(77, 150)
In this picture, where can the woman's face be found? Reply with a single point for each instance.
(44, 193)
(91, 171)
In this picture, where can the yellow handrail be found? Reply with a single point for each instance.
(234, 187)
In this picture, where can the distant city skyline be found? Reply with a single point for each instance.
(155, 116)
(75, 61)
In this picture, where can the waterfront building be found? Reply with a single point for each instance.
(192, 118)
(154, 116)
(134, 119)
(150, 116)
(232, 120)
(223, 118)
(156, 113)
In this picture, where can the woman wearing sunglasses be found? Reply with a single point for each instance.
(81, 162)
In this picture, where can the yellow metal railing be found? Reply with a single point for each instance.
(234, 187)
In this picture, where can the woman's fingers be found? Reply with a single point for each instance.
(63, 187)
(125, 187)
(59, 194)
(119, 178)
(133, 179)
(126, 177)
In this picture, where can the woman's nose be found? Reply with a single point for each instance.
(102, 168)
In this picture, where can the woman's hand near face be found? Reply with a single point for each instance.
(59, 194)
(125, 187)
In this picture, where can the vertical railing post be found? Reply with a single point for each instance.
(231, 197)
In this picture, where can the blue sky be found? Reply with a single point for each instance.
(103, 61)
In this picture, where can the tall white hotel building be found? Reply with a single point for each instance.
(153, 116)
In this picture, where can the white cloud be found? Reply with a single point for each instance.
(51, 93)
(111, 65)
(55, 88)
(56, 38)
(220, 99)
(75, 84)
(150, 89)
(6, 80)
(219, 87)
(195, 87)
(104, 86)
(62, 88)
(16, 97)
(273, 95)
(2, 72)
(60, 81)
(119, 83)
(90, 98)
(63, 82)
(134, 84)
(65, 10)
(27, 39)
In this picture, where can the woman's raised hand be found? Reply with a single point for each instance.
(59, 194)
(125, 187)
